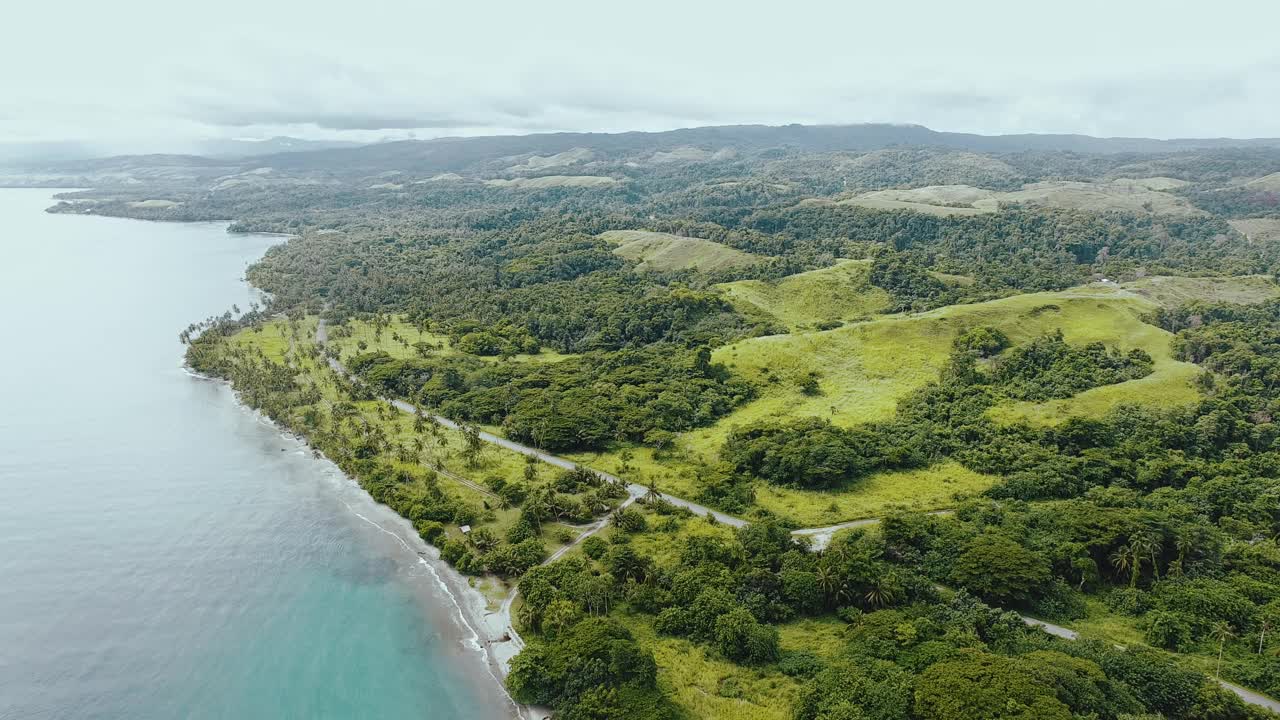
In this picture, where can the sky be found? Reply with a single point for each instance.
(152, 75)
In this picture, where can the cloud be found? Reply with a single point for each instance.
(135, 72)
(341, 120)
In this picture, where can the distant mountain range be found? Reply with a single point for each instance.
(64, 163)
(45, 154)
(447, 154)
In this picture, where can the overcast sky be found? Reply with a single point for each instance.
(151, 74)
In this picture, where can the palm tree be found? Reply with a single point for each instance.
(1221, 631)
(1146, 544)
(1262, 634)
(651, 492)
(537, 507)
(1184, 544)
(884, 591)
(839, 551)
(1122, 560)
(844, 592)
(827, 580)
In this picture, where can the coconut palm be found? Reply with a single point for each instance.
(1123, 561)
(885, 590)
(1222, 631)
(651, 492)
(1147, 545)
(827, 580)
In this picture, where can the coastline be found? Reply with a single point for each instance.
(488, 632)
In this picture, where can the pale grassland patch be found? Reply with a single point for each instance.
(665, 252)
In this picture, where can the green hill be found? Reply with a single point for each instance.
(664, 252)
(864, 369)
(841, 292)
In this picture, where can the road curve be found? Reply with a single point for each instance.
(819, 537)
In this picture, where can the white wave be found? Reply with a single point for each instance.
(472, 642)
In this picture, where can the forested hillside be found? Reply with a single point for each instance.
(1037, 377)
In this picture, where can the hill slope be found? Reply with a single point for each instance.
(835, 294)
(663, 252)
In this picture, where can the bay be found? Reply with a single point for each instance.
(164, 552)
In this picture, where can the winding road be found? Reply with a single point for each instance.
(819, 537)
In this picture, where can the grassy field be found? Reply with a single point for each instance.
(932, 488)
(839, 293)
(1128, 195)
(1258, 229)
(664, 252)
(863, 369)
(1175, 291)
(1107, 625)
(551, 181)
(705, 685)
(1266, 183)
(272, 338)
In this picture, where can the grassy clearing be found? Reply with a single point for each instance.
(823, 637)
(839, 293)
(1175, 291)
(665, 547)
(273, 338)
(665, 252)
(864, 369)
(1117, 324)
(553, 181)
(1258, 229)
(1266, 183)
(932, 488)
(704, 685)
(1170, 385)
(353, 332)
(1103, 623)
(1152, 183)
(564, 159)
(1127, 195)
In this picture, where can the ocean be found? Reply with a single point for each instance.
(165, 552)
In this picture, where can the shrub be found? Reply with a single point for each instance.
(430, 530)
(810, 453)
(1167, 630)
(741, 638)
(594, 547)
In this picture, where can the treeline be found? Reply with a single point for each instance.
(1026, 249)
(642, 395)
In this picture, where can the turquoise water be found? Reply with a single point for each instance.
(164, 553)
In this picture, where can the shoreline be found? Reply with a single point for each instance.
(489, 632)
